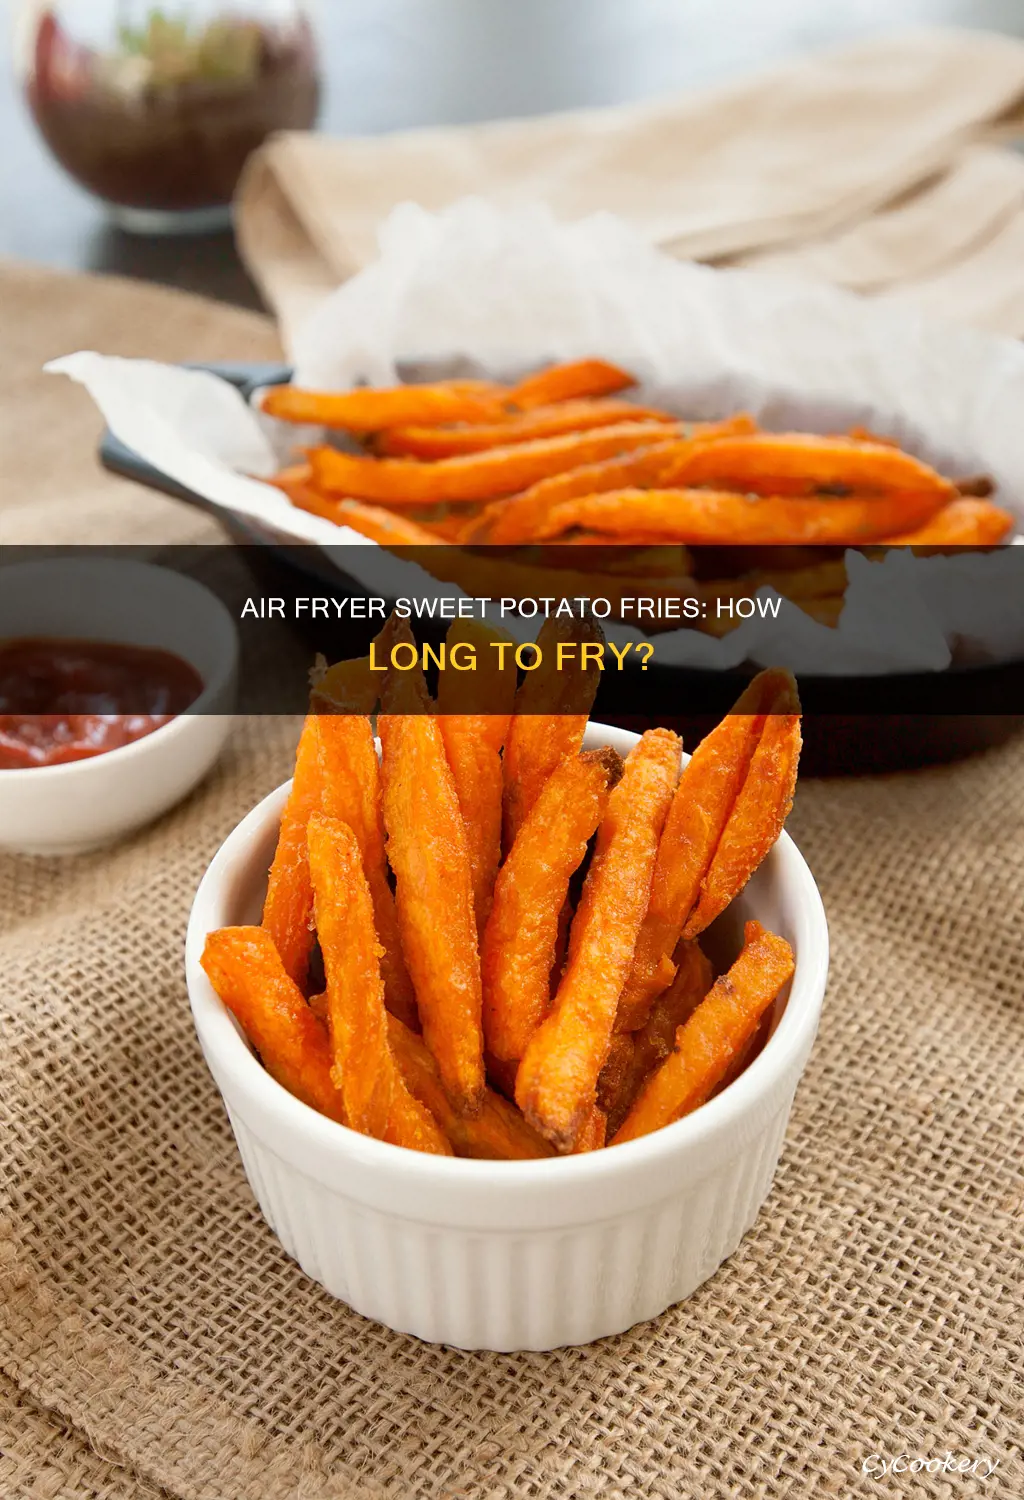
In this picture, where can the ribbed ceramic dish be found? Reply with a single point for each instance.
(513, 1255)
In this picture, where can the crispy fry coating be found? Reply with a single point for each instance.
(801, 463)
(475, 708)
(644, 1050)
(245, 968)
(756, 819)
(372, 521)
(524, 427)
(520, 940)
(569, 382)
(592, 1133)
(377, 1099)
(347, 687)
(515, 518)
(434, 895)
(363, 1067)
(497, 1133)
(718, 1030)
(351, 792)
(550, 715)
(557, 1080)
(724, 517)
(962, 523)
(708, 789)
(369, 409)
(288, 908)
(472, 476)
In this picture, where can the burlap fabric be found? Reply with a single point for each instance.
(154, 1338)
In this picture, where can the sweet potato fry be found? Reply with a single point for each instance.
(351, 793)
(568, 382)
(962, 523)
(514, 519)
(245, 968)
(475, 708)
(549, 717)
(377, 1100)
(434, 895)
(708, 789)
(757, 816)
(524, 427)
(635, 1055)
(801, 463)
(369, 409)
(472, 476)
(371, 521)
(363, 1066)
(717, 1031)
(348, 687)
(592, 1133)
(497, 1133)
(819, 581)
(520, 939)
(723, 518)
(288, 908)
(556, 1084)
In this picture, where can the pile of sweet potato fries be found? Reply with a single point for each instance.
(487, 942)
(562, 459)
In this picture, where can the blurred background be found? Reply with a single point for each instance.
(375, 65)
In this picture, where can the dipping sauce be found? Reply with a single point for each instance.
(63, 700)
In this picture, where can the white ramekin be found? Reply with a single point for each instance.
(512, 1255)
(84, 804)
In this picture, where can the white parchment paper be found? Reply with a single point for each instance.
(480, 290)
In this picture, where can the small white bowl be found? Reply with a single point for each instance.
(84, 804)
(512, 1255)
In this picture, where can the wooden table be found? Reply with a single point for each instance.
(392, 64)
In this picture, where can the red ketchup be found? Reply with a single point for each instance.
(70, 700)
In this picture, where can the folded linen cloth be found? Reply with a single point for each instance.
(873, 166)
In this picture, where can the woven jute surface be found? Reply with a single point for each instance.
(154, 1338)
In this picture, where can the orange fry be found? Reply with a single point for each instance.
(592, 1132)
(363, 1067)
(514, 519)
(962, 523)
(472, 476)
(368, 409)
(350, 779)
(708, 790)
(569, 382)
(801, 463)
(434, 895)
(347, 687)
(475, 708)
(556, 1085)
(647, 1048)
(757, 816)
(722, 517)
(550, 715)
(497, 1133)
(521, 937)
(245, 968)
(720, 1027)
(288, 907)
(371, 521)
(377, 1101)
(524, 427)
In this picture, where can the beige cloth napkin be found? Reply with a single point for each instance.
(870, 166)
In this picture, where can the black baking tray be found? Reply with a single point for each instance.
(836, 740)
